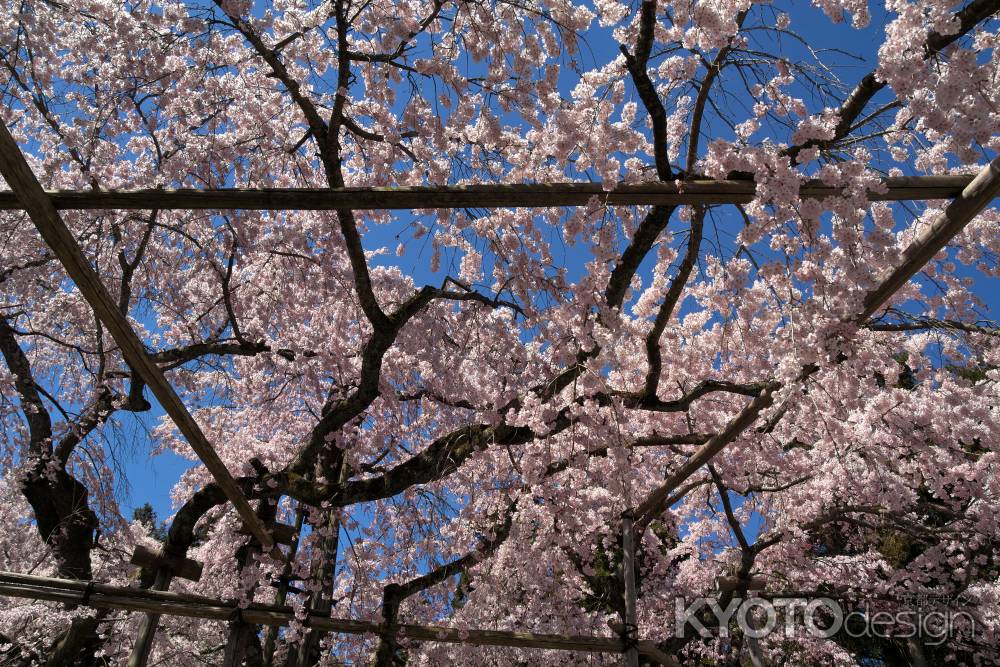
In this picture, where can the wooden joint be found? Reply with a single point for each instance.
(282, 533)
(734, 583)
(178, 566)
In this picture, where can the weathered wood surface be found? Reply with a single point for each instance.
(735, 583)
(281, 533)
(528, 195)
(153, 560)
(973, 198)
(104, 596)
(150, 622)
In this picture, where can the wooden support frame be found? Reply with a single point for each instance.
(723, 584)
(154, 560)
(143, 646)
(493, 195)
(970, 196)
(33, 199)
(102, 596)
(240, 632)
(974, 197)
(281, 533)
(283, 587)
(166, 566)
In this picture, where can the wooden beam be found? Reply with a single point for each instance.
(649, 508)
(143, 646)
(153, 560)
(271, 636)
(734, 583)
(166, 566)
(57, 236)
(281, 533)
(631, 657)
(240, 632)
(475, 196)
(103, 596)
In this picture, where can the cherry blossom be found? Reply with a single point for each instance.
(455, 407)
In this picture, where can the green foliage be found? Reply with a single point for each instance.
(146, 515)
(604, 592)
(897, 548)
(971, 372)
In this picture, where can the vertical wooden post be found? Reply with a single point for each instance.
(236, 643)
(166, 563)
(240, 631)
(320, 601)
(631, 658)
(271, 637)
(147, 627)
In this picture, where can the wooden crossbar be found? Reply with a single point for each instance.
(178, 566)
(477, 196)
(103, 596)
(966, 205)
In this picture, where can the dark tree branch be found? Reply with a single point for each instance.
(670, 301)
(59, 501)
(714, 69)
(394, 594)
(636, 65)
(278, 70)
(968, 18)
(35, 414)
(927, 323)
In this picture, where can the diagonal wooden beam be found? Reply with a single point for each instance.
(487, 195)
(975, 197)
(33, 199)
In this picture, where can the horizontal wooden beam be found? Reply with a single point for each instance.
(154, 560)
(475, 196)
(103, 596)
(53, 230)
(282, 533)
(736, 583)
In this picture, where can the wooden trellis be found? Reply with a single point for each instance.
(970, 196)
(101, 596)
